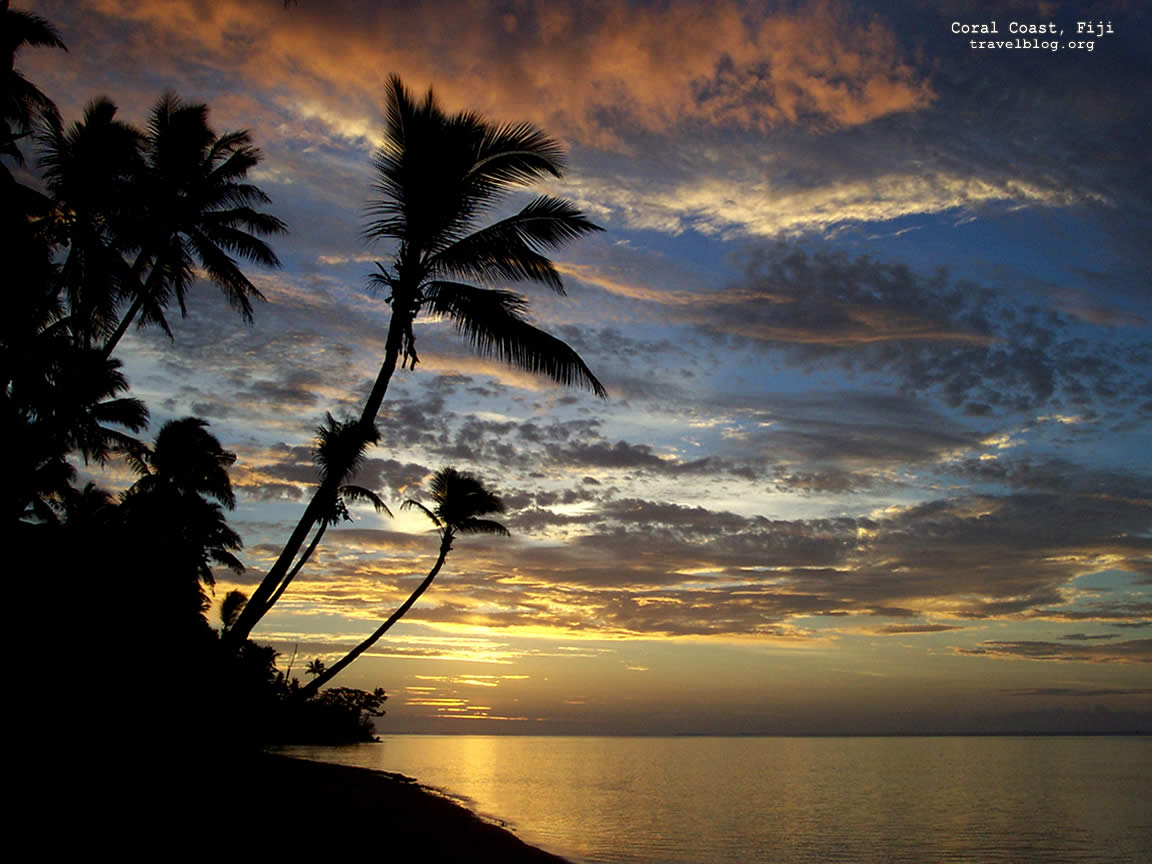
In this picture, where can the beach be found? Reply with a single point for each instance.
(308, 807)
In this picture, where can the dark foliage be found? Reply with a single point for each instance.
(126, 580)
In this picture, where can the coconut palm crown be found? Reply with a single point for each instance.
(437, 176)
(459, 501)
(198, 208)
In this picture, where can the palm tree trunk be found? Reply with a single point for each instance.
(311, 688)
(258, 604)
(137, 302)
(303, 560)
(396, 329)
(123, 326)
(262, 600)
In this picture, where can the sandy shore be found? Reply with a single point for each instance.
(311, 807)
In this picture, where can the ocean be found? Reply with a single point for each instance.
(1056, 800)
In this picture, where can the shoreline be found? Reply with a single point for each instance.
(360, 809)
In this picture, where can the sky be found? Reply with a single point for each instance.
(871, 305)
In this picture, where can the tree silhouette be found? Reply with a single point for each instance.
(57, 399)
(230, 607)
(338, 452)
(437, 176)
(92, 171)
(174, 516)
(194, 208)
(21, 102)
(315, 667)
(460, 500)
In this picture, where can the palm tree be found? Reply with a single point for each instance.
(230, 607)
(174, 514)
(57, 399)
(21, 101)
(338, 452)
(92, 171)
(315, 667)
(195, 207)
(460, 502)
(187, 459)
(437, 176)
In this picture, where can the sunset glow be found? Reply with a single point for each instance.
(871, 307)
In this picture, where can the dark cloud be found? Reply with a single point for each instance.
(844, 434)
(1050, 474)
(1133, 651)
(835, 481)
(975, 558)
(1086, 637)
(968, 344)
(620, 456)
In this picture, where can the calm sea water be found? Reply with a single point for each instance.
(794, 800)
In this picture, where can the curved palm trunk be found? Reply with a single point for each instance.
(123, 326)
(262, 597)
(299, 564)
(311, 688)
(137, 302)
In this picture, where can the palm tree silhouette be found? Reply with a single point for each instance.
(175, 512)
(59, 398)
(194, 207)
(230, 607)
(460, 502)
(92, 171)
(21, 101)
(437, 176)
(315, 667)
(338, 453)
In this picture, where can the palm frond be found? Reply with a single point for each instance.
(21, 102)
(494, 325)
(231, 607)
(461, 498)
(511, 248)
(359, 494)
(340, 447)
(128, 412)
(28, 28)
(190, 459)
(482, 526)
(222, 269)
(410, 503)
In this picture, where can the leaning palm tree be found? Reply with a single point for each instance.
(460, 502)
(195, 208)
(338, 452)
(437, 176)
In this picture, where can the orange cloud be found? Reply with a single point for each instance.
(587, 70)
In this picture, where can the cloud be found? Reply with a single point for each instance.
(647, 568)
(742, 202)
(1133, 651)
(969, 344)
(636, 66)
